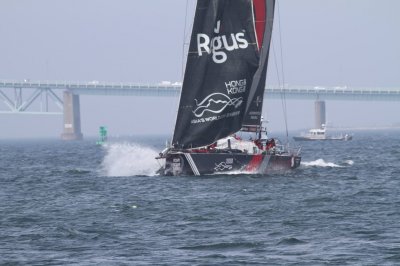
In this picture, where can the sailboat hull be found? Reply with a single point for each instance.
(187, 163)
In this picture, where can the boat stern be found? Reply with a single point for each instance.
(174, 164)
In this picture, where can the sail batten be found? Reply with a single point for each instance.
(224, 70)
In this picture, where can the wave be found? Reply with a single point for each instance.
(320, 163)
(222, 246)
(291, 241)
(129, 159)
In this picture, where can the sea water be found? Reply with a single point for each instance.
(81, 204)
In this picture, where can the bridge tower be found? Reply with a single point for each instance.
(320, 114)
(72, 117)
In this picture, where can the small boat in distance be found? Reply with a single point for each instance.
(222, 93)
(320, 134)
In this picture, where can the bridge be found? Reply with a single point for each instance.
(33, 97)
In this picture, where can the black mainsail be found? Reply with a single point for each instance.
(225, 73)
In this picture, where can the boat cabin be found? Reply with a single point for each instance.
(316, 133)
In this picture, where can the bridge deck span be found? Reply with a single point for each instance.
(173, 90)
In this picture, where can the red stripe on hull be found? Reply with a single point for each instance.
(255, 163)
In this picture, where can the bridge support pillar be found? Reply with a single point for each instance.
(320, 114)
(72, 117)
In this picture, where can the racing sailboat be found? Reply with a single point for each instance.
(222, 94)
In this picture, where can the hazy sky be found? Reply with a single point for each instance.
(330, 42)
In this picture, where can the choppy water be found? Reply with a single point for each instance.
(77, 203)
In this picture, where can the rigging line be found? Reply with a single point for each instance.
(182, 70)
(279, 81)
(283, 93)
(184, 39)
(276, 62)
(280, 42)
(283, 72)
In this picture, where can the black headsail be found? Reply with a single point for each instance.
(223, 64)
(264, 18)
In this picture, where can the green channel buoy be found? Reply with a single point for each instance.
(102, 135)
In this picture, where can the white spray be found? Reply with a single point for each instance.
(129, 159)
(320, 163)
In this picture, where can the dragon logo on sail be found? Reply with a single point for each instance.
(219, 44)
(216, 103)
